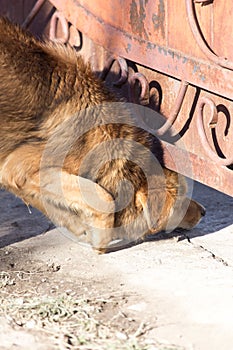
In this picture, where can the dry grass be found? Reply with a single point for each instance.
(73, 323)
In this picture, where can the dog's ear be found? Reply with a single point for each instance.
(141, 200)
(153, 203)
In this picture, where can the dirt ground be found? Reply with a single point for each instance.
(174, 292)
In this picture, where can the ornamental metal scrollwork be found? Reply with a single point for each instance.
(144, 97)
(213, 120)
(175, 110)
(124, 71)
(139, 88)
(194, 25)
(58, 17)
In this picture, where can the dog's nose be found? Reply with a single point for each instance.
(203, 211)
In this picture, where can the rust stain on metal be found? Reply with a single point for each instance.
(36, 8)
(158, 18)
(142, 42)
(198, 36)
(134, 44)
(137, 18)
(206, 171)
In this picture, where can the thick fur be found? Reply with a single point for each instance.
(67, 146)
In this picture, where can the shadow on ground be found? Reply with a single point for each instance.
(17, 222)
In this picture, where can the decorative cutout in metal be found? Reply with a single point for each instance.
(203, 2)
(176, 109)
(144, 97)
(213, 120)
(58, 17)
(123, 69)
(206, 111)
(194, 25)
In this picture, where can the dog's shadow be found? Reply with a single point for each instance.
(18, 223)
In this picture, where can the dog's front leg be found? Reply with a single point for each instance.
(68, 200)
(92, 205)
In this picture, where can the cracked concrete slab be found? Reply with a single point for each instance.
(215, 232)
(183, 282)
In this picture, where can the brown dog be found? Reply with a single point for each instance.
(70, 149)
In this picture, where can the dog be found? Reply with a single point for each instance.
(73, 150)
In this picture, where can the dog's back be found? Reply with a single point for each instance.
(58, 123)
(36, 78)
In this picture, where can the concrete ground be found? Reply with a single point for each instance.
(183, 283)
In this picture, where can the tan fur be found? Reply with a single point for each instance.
(58, 125)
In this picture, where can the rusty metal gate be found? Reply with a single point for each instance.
(173, 56)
